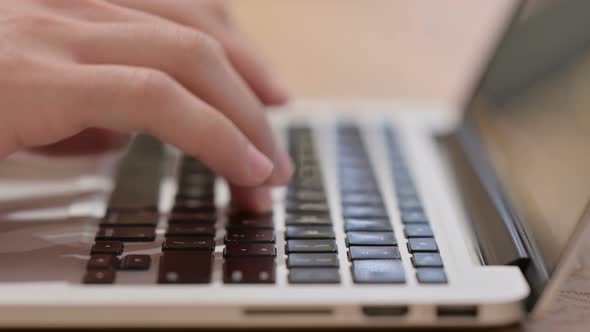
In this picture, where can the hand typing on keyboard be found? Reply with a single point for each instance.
(177, 70)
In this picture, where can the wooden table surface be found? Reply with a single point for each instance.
(362, 49)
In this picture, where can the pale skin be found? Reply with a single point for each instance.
(87, 72)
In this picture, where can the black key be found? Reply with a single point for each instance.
(131, 218)
(263, 221)
(301, 275)
(378, 271)
(136, 262)
(418, 230)
(357, 252)
(361, 199)
(312, 260)
(431, 275)
(310, 184)
(249, 271)
(107, 248)
(370, 239)
(190, 230)
(193, 205)
(249, 236)
(414, 217)
(307, 196)
(308, 208)
(102, 262)
(405, 190)
(127, 234)
(189, 243)
(308, 246)
(307, 220)
(195, 193)
(185, 267)
(422, 244)
(359, 187)
(368, 225)
(249, 250)
(193, 218)
(427, 260)
(309, 232)
(99, 277)
(363, 212)
(196, 180)
(409, 203)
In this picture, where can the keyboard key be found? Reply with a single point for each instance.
(190, 230)
(369, 225)
(192, 218)
(193, 205)
(370, 239)
(307, 196)
(250, 236)
(190, 243)
(249, 270)
(414, 217)
(361, 199)
(427, 260)
(300, 275)
(309, 232)
(99, 277)
(359, 187)
(107, 248)
(357, 252)
(364, 212)
(378, 271)
(262, 221)
(196, 180)
(131, 218)
(102, 262)
(308, 208)
(418, 230)
(185, 267)
(136, 262)
(309, 246)
(195, 193)
(127, 234)
(431, 275)
(307, 220)
(312, 260)
(422, 244)
(409, 203)
(249, 250)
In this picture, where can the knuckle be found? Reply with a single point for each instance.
(147, 82)
(198, 45)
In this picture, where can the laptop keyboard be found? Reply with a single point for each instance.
(193, 228)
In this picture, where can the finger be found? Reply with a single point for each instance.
(269, 89)
(196, 61)
(90, 141)
(252, 199)
(214, 20)
(135, 99)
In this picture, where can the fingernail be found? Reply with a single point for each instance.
(259, 166)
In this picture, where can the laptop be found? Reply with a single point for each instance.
(398, 215)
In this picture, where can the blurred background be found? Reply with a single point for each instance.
(357, 49)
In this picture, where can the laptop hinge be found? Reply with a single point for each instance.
(492, 219)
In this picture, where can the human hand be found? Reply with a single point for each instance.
(175, 69)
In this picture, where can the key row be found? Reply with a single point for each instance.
(420, 238)
(372, 246)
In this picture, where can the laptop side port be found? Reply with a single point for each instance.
(385, 311)
(463, 311)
